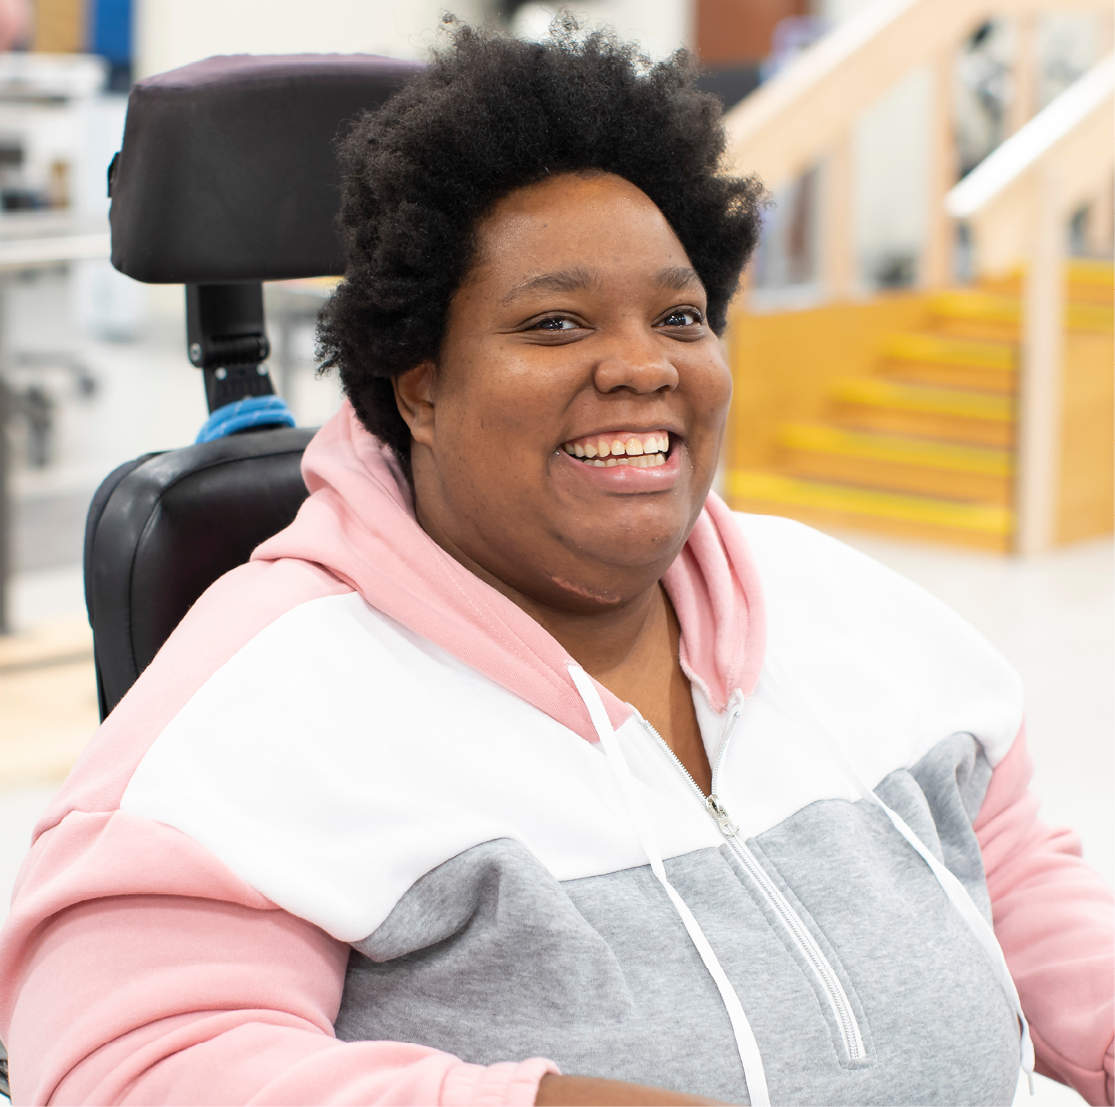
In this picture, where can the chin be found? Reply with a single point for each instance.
(633, 545)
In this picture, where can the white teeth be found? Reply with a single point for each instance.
(598, 464)
(652, 447)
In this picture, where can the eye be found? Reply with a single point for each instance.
(553, 323)
(681, 317)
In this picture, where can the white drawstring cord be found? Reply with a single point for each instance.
(956, 892)
(748, 1048)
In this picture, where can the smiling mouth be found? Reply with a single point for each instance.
(645, 450)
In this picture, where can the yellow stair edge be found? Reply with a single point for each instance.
(896, 449)
(949, 351)
(927, 399)
(1078, 270)
(1090, 271)
(993, 307)
(775, 489)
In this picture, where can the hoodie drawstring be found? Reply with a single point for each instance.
(956, 892)
(748, 1048)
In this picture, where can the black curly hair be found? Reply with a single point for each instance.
(491, 114)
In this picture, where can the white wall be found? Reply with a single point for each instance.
(659, 26)
(170, 33)
(891, 152)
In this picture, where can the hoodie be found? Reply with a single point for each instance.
(363, 832)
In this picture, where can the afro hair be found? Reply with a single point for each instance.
(491, 114)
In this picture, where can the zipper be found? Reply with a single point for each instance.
(830, 982)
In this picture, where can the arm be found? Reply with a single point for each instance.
(1053, 917)
(204, 994)
(114, 993)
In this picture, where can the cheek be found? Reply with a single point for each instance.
(492, 410)
(711, 392)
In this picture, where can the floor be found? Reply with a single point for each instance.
(1051, 616)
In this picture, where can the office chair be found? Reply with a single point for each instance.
(227, 177)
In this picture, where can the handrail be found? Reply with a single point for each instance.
(805, 115)
(1072, 137)
(794, 119)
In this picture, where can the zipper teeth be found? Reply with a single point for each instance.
(837, 996)
(816, 958)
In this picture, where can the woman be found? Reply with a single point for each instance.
(517, 750)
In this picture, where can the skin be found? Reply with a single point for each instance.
(581, 315)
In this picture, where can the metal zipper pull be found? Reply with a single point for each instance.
(714, 808)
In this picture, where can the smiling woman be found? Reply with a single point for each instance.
(519, 769)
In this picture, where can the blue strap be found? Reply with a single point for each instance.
(253, 411)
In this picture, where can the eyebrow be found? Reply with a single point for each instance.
(677, 277)
(564, 280)
(579, 278)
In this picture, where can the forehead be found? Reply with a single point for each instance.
(595, 223)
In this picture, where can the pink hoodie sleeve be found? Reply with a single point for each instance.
(1054, 919)
(211, 995)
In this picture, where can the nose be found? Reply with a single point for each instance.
(635, 359)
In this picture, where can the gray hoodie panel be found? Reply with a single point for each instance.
(489, 957)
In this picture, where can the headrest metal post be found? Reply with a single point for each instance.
(226, 339)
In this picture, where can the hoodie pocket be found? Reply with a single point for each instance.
(808, 946)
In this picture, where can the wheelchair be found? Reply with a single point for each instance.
(227, 177)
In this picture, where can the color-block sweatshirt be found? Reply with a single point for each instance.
(364, 833)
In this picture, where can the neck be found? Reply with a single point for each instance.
(617, 638)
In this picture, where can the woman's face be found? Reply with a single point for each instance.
(566, 438)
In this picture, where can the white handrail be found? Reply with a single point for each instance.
(794, 119)
(1036, 140)
(1072, 138)
(806, 114)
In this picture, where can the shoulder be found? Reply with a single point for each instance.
(241, 609)
(877, 644)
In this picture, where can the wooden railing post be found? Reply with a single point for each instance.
(937, 259)
(1040, 382)
(838, 249)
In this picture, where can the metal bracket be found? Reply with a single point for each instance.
(227, 340)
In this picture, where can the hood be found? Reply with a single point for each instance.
(359, 524)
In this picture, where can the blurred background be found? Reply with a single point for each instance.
(922, 349)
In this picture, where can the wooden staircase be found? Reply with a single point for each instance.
(922, 443)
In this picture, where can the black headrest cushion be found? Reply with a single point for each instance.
(228, 169)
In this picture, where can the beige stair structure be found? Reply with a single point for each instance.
(921, 441)
(979, 415)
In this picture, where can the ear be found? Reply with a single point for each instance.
(414, 395)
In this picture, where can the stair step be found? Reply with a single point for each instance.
(950, 351)
(986, 526)
(962, 403)
(896, 463)
(896, 449)
(1098, 271)
(976, 306)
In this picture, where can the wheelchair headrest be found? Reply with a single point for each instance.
(228, 169)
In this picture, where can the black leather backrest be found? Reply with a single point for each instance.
(228, 170)
(162, 528)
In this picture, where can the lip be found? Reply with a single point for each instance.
(628, 478)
